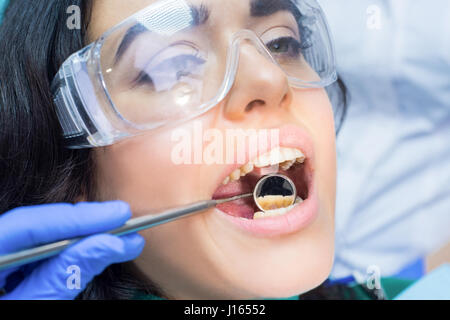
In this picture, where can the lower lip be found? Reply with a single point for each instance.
(301, 216)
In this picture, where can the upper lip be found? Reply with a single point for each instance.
(290, 136)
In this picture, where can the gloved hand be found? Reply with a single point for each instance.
(27, 227)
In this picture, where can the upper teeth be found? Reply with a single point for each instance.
(285, 157)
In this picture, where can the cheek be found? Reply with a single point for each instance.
(140, 171)
(148, 172)
(314, 111)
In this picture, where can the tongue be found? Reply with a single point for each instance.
(240, 208)
(232, 189)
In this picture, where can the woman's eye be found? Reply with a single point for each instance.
(169, 72)
(285, 45)
(143, 79)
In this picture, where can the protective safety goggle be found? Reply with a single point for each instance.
(172, 62)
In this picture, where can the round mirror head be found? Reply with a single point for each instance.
(274, 191)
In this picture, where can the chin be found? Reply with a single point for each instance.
(298, 273)
(304, 279)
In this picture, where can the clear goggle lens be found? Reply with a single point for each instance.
(172, 61)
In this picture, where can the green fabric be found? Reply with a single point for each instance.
(391, 286)
(290, 298)
(394, 286)
(143, 296)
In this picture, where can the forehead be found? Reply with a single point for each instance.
(108, 13)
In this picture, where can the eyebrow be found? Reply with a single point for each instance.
(201, 13)
(264, 8)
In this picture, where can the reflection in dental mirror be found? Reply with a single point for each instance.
(274, 191)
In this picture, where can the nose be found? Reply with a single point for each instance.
(259, 83)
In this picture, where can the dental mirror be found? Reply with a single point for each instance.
(274, 191)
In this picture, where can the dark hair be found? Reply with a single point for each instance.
(35, 166)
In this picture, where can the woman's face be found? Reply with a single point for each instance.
(222, 253)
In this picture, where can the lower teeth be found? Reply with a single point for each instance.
(272, 202)
(276, 212)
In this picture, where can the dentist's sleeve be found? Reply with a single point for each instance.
(393, 193)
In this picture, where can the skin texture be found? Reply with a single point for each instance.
(438, 258)
(203, 256)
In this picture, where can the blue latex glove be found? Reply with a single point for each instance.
(26, 227)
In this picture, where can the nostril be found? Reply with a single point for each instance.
(286, 100)
(254, 103)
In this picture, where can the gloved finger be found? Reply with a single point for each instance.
(23, 270)
(26, 227)
(10, 278)
(65, 276)
(5, 274)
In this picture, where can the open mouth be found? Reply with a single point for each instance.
(290, 162)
